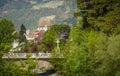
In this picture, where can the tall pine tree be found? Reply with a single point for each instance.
(22, 37)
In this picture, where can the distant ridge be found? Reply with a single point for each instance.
(30, 12)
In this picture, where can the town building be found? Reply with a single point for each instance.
(43, 26)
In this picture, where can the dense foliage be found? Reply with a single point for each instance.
(101, 15)
(55, 32)
(93, 47)
(7, 35)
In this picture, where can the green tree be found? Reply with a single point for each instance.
(107, 57)
(100, 14)
(91, 53)
(22, 37)
(61, 28)
(56, 31)
(62, 31)
(41, 47)
(79, 52)
(7, 34)
(49, 39)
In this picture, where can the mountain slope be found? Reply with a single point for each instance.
(29, 12)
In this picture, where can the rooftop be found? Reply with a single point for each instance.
(44, 23)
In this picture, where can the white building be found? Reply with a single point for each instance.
(43, 26)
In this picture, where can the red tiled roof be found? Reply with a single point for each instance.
(31, 36)
(35, 34)
(45, 22)
(41, 31)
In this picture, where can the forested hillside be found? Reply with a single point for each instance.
(29, 12)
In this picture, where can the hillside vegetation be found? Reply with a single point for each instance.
(90, 48)
(29, 12)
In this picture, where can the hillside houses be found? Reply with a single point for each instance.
(43, 26)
